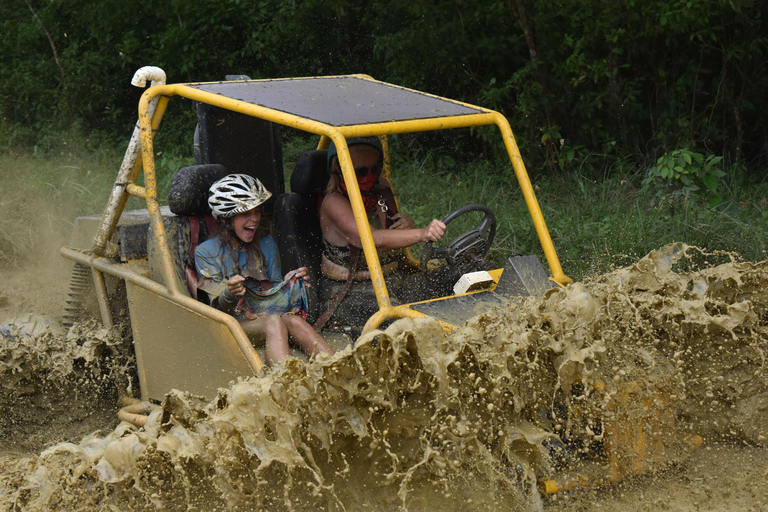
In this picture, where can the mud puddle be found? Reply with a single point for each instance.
(612, 383)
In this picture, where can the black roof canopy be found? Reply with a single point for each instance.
(340, 101)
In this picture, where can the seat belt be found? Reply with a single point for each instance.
(190, 272)
(354, 254)
(194, 232)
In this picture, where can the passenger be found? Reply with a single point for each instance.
(240, 270)
(391, 230)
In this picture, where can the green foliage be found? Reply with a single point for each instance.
(689, 172)
(595, 225)
(610, 80)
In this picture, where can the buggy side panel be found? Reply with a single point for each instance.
(179, 348)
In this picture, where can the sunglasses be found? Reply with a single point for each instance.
(362, 172)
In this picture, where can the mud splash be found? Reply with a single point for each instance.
(54, 384)
(608, 379)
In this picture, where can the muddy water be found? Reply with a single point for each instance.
(606, 382)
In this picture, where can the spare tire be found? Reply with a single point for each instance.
(188, 193)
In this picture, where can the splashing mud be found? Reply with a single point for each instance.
(598, 382)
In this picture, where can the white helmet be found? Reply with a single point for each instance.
(236, 193)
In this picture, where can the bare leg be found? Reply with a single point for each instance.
(274, 331)
(306, 337)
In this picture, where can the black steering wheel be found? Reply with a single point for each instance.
(467, 251)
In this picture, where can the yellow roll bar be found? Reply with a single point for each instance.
(149, 122)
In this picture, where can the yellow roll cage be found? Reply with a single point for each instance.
(318, 105)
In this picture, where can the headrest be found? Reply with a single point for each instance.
(188, 194)
(310, 175)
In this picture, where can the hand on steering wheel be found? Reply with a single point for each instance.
(466, 251)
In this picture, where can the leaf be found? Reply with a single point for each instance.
(712, 160)
(710, 182)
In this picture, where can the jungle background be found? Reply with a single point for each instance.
(641, 122)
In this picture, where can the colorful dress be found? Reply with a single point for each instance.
(267, 293)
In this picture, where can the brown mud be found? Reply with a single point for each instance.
(651, 354)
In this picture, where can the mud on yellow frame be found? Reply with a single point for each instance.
(321, 106)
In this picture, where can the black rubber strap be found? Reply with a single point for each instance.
(354, 254)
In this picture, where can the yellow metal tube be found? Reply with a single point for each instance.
(100, 286)
(106, 266)
(148, 128)
(127, 175)
(418, 125)
(402, 311)
(531, 201)
(361, 219)
(135, 411)
(138, 191)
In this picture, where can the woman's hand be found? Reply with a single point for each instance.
(300, 272)
(433, 232)
(402, 221)
(236, 285)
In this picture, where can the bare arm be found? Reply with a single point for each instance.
(338, 223)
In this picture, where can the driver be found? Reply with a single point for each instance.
(391, 229)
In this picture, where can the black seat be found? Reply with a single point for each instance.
(241, 143)
(193, 224)
(297, 223)
(299, 238)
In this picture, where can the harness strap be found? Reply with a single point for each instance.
(194, 231)
(211, 225)
(354, 254)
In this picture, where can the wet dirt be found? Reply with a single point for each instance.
(609, 379)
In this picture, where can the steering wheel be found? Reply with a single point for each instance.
(466, 251)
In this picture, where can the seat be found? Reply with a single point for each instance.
(193, 224)
(297, 223)
(299, 239)
(241, 143)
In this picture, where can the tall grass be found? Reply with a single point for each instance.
(41, 196)
(594, 225)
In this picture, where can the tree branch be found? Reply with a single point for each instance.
(50, 39)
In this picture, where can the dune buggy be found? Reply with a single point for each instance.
(139, 263)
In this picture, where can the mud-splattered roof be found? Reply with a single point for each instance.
(340, 101)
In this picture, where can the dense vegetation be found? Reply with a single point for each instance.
(641, 122)
(585, 81)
